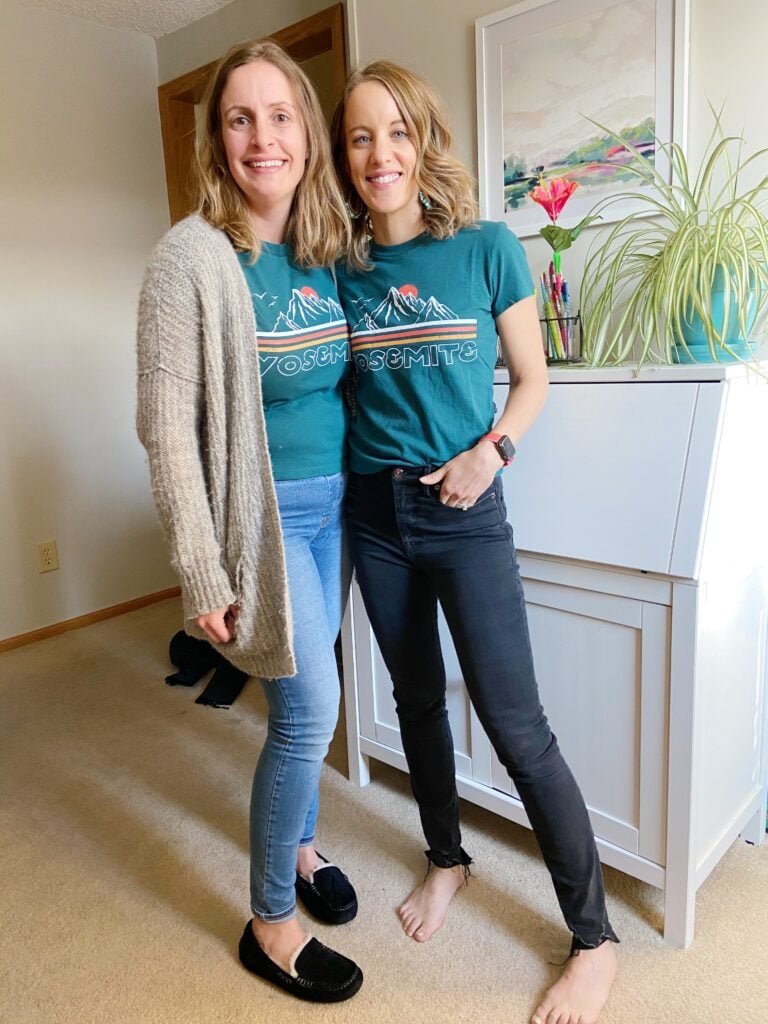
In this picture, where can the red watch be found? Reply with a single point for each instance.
(503, 446)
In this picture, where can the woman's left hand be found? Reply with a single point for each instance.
(464, 478)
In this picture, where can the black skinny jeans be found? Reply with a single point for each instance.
(410, 552)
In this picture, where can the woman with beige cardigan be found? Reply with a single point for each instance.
(242, 350)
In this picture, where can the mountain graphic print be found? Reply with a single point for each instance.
(309, 331)
(404, 330)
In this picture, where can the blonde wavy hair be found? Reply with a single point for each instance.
(318, 225)
(443, 179)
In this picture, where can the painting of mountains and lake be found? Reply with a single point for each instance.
(558, 81)
(599, 162)
(596, 67)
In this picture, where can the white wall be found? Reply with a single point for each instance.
(726, 65)
(82, 201)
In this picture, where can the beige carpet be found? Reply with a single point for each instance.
(124, 871)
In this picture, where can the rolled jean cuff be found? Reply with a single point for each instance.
(440, 860)
(577, 944)
(285, 915)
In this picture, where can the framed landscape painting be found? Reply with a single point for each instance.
(547, 70)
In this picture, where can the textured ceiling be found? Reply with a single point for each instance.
(153, 17)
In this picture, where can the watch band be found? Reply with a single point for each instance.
(503, 445)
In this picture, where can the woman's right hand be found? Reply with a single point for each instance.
(219, 625)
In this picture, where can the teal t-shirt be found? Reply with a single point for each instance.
(303, 355)
(423, 335)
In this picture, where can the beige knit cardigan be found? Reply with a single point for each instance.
(200, 418)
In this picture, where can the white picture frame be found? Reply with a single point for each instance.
(537, 32)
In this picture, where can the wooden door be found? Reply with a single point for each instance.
(317, 43)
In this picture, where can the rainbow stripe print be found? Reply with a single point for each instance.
(404, 331)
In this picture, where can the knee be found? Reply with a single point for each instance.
(412, 708)
(307, 728)
(529, 753)
(320, 725)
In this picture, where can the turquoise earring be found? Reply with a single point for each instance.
(424, 201)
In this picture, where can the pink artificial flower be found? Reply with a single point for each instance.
(553, 195)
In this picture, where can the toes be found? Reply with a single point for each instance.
(545, 1014)
(427, 929)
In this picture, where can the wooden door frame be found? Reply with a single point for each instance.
(319, 33)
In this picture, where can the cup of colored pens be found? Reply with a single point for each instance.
(561, 327)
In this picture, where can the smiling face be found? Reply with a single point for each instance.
(265, 141)
(382, 158)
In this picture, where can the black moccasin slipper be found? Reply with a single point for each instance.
(318, 974)
(328, 894)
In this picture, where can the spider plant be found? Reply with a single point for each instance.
(696, 253)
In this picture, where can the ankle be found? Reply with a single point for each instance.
(605, 950)
(267, 932)
(456, 875)
(307, 860)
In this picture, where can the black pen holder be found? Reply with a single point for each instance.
(561, 336)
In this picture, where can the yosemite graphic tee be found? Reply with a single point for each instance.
(303, 355)
(423, 336)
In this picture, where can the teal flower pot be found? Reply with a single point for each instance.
(696, 349)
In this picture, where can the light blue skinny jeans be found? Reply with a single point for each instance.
(303, 709)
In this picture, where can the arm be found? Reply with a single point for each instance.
(465, 477)
(169, 417)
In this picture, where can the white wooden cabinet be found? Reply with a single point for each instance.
(638, 505)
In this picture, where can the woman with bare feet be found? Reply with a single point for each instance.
(427, 290)
(242, 351)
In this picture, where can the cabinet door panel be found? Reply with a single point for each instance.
(378, 718)
(594, 664)
(602, 663)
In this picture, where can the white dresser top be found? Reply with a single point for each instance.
(582, 374)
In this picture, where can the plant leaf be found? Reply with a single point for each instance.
(559, 238)
(575, 232)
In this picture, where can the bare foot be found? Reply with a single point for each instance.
(307, 862)
(280, 940)
(423, 913)
(582, 990)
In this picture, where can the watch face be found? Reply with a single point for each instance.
(506, 448)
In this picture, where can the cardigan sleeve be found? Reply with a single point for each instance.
(170, 412)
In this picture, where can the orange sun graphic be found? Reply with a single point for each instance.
(310, 292)
(409, 289)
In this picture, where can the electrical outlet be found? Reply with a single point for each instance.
(47, 556)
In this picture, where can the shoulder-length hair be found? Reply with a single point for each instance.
(318, 225)
(444, 180)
